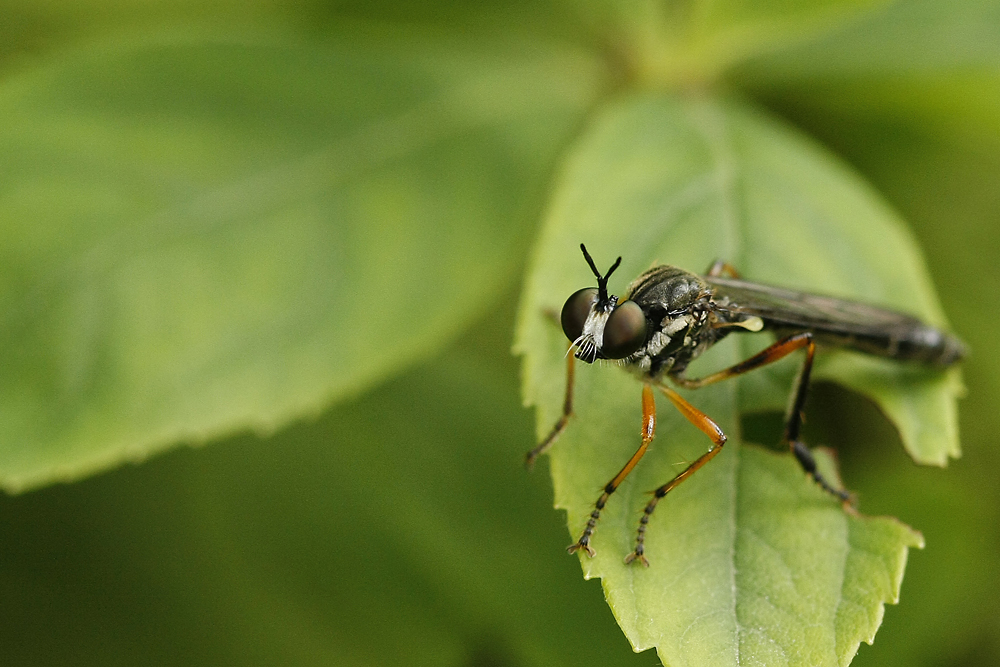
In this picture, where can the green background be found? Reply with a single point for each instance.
(397, 526)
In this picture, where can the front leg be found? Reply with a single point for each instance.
(706, 425)
(648, 430)
(560, 426)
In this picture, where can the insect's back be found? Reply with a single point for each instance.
(669, 289)
(677, 306)
(838, 322)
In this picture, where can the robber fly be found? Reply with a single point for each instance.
(669, 316)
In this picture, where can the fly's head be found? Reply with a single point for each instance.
(599, 326)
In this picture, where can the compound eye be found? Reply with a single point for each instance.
(576, 310)
(625, 331)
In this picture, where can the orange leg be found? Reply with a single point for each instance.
(709, 428)
(567, 412)
(648, 430)
(768, 355)
(793, 422)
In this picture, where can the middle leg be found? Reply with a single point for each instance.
(793, 419)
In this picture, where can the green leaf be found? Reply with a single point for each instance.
(750, 560)
(925, 65)
(675, 43)
(202, 236)
(387, 532)
(902, 38)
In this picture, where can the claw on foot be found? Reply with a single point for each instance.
(848, 500)
(636, 556)
(576, 546)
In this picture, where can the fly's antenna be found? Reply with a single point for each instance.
(602, 281)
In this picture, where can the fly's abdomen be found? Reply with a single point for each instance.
(918, 343)
(837, 322)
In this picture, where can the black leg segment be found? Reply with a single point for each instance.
(560, 425)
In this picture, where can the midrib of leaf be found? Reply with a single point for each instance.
(721, 179)
(708, 118)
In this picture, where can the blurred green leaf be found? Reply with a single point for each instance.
(202, 236)
(901, 38)
(925, 64)
(680, 43)
(684, 182)
(397, 529)
(35, 26)
(30, 28)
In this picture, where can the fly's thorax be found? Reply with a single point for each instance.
(679, 340)
(668, 288)
(678, 309)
